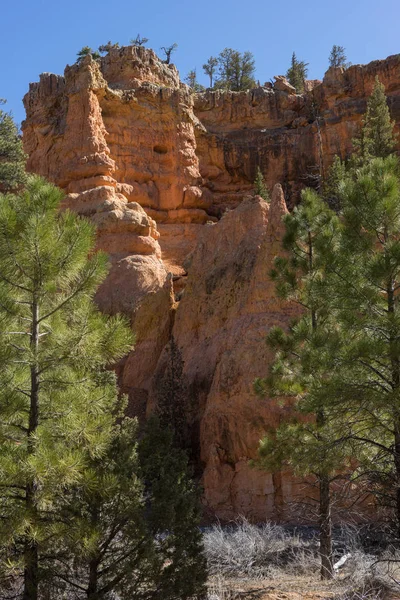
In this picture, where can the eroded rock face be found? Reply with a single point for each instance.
(167, 177)
(283, 133)
(227, 309)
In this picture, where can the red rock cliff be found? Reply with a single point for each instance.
(156, 168)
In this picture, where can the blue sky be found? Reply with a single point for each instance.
(45, 35)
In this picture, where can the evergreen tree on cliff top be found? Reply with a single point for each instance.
(236, 70)
(297, 73)
(337, 57)
(12, 157)
(210, 67)
(57, 401)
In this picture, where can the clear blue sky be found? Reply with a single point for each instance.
(44, 35)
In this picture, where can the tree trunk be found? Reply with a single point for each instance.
(92, 592)
(325, 536)
(395, 363)
(31, 570)
(31, 558)
(397, 469)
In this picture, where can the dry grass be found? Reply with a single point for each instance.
(244, 549)
(268, 563)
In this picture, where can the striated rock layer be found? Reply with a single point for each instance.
(166, 176)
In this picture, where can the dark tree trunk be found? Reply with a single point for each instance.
(397, 469)
(395, 363)
(31, 558)
(31, 571)
(92, 589)
(325, 536)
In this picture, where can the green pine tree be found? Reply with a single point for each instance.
(236, 70)
(173, 515)
(310, 441)
(337, 57)
(376, 139)
(333, 183)
(297, 73)
(260, 187)
(210, 67)
(107, 542)
(87, 51)
(367, 283)
(173, 406)
(105, 48)
(12, 157)
(57, 401)
(191, 80)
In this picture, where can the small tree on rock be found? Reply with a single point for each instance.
(87, 51)
(105, 48)
(236, 70)
(260, 187)
(379, 140)
(168, 50)
(297, 73)
(139, 40)
(210, 68)
(191, 80)
(337, 57)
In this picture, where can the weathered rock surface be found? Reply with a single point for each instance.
(166, 177)
(227, 308)
(284, 133)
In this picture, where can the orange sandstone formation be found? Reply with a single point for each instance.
(226, 311)
(166, 174)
